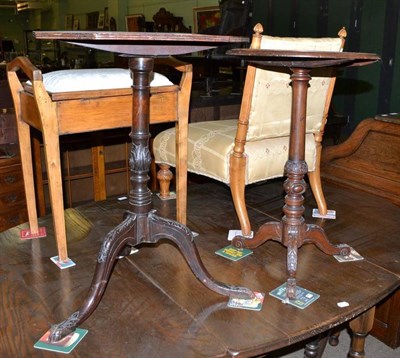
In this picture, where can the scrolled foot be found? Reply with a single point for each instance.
(268, 231)
(63, 329)
(240, 242)
(240, 292)
(344, 249)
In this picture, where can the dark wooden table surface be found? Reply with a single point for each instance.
(155, 307)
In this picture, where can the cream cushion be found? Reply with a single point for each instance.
(94, 79)
(210, 145)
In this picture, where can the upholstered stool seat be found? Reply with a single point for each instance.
(94, 79)
(86, 100)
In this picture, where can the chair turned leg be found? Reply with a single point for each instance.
(315, 178)
(237, 185)
(360, 328)
(316, 187)
(27, 171)
(164, 176)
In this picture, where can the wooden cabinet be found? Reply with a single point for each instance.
(369, 160)
(12, 195)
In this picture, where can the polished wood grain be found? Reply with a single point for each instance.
(154, 306)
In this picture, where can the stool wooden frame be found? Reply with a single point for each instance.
(55, 114)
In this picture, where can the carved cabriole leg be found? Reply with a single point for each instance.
(113, 243)
(317, 236)
(360, 328)
(179, 234)
(164, 176)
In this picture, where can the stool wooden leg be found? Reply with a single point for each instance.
(360, 328)
(27, 171)
(181, 134)
(38, 170)
(53, 163)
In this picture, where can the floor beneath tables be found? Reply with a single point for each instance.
(210, 213)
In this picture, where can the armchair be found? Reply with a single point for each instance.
(255, 147)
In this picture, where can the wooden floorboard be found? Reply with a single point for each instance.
(155, 307)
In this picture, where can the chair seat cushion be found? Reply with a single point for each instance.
(211, 143)
(94, 79)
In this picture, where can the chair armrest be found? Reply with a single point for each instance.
(185, 85)
(31, 71)
(23, 63)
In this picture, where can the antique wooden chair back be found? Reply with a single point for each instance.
(255, 147)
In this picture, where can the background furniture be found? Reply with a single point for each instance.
(165, 21)
(55, 114)
(369, 161)
(12, 196)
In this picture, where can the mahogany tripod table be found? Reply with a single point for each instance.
(140, 224)
(292, 231)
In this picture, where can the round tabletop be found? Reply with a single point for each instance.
(304, 59)
(141, 43)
